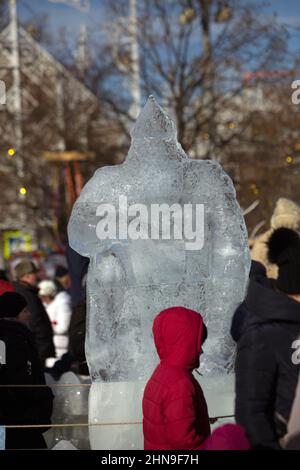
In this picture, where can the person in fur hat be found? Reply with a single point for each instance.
(266, 372)
(286, 214)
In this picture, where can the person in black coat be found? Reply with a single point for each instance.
(265, 327)
(39, 323)
(21, 366)
(78, 266)
(257, 270)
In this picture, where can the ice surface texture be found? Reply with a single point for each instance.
(131, 281)
(2, 437)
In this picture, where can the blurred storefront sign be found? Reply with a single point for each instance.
(15, 242)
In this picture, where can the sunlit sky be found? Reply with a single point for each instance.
(61, 15)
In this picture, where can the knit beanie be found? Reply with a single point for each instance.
(229, 436)
(11, 304)
(47, 288)
(61, 271)
(286, 214)
(284, 250)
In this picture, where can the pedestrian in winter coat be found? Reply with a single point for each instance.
(58, 307)
(257, 270)
(78, 266)
(292, 438)
(266, 374)
(175, 415)
(39, 323)
(21, 366)
(286, 215)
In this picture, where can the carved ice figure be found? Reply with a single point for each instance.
(131, 280)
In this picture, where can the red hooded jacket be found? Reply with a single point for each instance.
(175, 413)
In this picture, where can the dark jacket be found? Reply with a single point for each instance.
(22, 405)
(59, 287)
(39, 322)
(265, 328)
(77, 330)
(78, 267)
(257, 271)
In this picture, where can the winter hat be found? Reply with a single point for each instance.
(25, 267)
(11, 304)
(61, 271)
(3, 275)
(228, 437)
(47, 288)
(284, 250)
(286, 214)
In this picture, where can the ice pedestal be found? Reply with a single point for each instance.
(2, 437)
(70, 406)
(115, 410)
(219, 394)
(64, 445)
(115, 414)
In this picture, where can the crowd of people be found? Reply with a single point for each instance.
(42, 325)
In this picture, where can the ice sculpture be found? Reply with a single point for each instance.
(70, 406)
(2, 437)
(64, 445)
(133, 277)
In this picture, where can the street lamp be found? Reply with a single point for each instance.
(23, 191)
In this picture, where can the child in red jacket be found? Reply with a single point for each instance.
(175, 413)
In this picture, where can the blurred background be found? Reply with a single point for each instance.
(76, 73)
